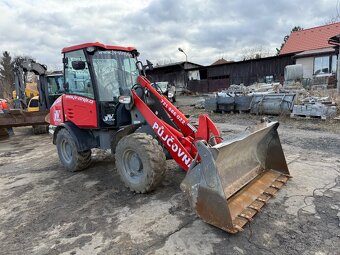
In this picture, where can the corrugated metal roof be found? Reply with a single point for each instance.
(310, 39)
(176, 64)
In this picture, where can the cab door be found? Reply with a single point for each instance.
(78, 103)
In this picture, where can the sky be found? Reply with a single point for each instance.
(205, 30)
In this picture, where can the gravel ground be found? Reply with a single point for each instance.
(47, 210)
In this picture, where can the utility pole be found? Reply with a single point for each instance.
(335, 40)
(338, 73)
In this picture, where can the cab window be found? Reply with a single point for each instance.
(115, 72)
(77, 82)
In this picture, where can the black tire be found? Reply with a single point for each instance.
(70, 158)
(140, 162)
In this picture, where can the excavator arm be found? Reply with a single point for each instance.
(20, 70)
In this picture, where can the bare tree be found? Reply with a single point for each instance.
(164, 62)
(6, 75)
(285, 39)
(332, 20)
(255, 53)
(336, 17)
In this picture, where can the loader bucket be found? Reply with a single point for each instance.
(236, 178)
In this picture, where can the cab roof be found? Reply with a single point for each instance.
(99, 45)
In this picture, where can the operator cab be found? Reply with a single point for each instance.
(102, 73)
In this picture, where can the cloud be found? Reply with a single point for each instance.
(206, 30)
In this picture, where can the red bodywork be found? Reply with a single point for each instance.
(79, 110)
(97, 44)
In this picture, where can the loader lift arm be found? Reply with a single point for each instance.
(227, 182)
(180, 143)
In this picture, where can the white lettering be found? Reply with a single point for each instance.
(171, 143)
(83, 99)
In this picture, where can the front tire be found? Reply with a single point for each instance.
(68, 154)
(140, 162)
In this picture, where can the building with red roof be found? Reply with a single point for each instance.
(311, 48)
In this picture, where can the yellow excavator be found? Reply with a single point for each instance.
(32, 93)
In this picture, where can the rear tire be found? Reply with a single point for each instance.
(70, 158)
(140, 162)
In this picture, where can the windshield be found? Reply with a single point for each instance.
(115, 72)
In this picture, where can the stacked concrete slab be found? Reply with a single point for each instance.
(316, 110)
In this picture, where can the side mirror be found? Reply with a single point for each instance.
(135, 53)
(78, 65)
(149, 65)
(142, 67)
(139, 66)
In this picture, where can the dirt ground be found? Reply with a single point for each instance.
(46, 210)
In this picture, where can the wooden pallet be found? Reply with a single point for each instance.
(297, 116)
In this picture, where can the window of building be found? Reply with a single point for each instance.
(334, 60)
(269, 79)
(325, 64)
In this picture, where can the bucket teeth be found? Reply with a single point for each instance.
(257, 205)
(264, 198)
(277, 185)
(283, 179)
(271, 191)
(239, 222)
(248, 213)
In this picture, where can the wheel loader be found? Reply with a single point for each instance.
(110, 104)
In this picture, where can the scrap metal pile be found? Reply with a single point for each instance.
(292, 98)
(273, 99)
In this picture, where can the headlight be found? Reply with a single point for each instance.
(124, 99)
(170, 94)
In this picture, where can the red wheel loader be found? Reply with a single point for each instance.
(110, 104)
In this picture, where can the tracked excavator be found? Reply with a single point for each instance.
(110, 104)
(21, 68)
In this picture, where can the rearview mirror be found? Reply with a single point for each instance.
(139, 66)
(149, 65)
(78, 65)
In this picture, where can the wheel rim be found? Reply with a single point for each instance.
(132, 166)
(66, 150)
